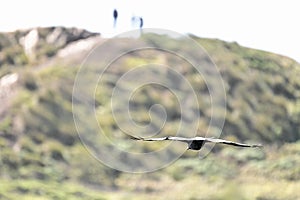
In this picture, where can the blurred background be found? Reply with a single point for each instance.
(254, 45)
(263, 25)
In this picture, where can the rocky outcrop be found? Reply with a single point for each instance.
(29, 42)
(32, 45)
(61, 36)
(80, 47)
(7, 82)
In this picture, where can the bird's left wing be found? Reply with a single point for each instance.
(214, 140)
(149, 139)
(171, 138)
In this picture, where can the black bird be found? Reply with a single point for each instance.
(196, 143)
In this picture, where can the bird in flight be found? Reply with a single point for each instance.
(196, 143)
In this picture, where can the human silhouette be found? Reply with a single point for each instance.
(141, 25)
(133, 19)
(137, 22)
(141, 22)
(115, 14)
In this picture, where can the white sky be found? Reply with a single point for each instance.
(261, 24)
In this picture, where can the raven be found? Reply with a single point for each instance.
(196, 143)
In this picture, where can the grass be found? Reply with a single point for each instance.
(34, 189)
(41, 156)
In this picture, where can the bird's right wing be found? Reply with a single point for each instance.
(214, 140)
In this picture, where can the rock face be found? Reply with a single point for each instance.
(78, 47)
(61, 36)
(7, 82)
(27, 46)
(30, 42)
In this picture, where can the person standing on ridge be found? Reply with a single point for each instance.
(115, 14)
(141, 22)
(141, 25)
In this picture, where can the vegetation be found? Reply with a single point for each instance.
(263, 92)
(50, 40)
(41, 156)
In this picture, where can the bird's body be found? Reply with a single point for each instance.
(196, 143)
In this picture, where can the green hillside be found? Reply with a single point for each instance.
(42, 157)
(262, 87)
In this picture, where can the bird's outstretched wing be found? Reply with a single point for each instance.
(171, 138)
(149, 139)
(214, 140)
(181, 139)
